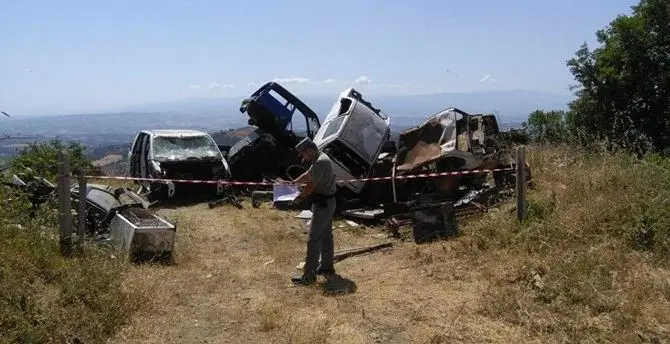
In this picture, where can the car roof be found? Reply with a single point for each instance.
(175, 132)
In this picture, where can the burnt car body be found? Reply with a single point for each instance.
(269, 151)
(353, 135)
(176, 154)
(449, 141)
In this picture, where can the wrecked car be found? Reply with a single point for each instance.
(176, 154)
(449, 141)
(269, 151)
(354, 134)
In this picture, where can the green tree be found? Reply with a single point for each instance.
(41, 158)
(623, 86)
(547, 126)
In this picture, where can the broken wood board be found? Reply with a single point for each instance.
(341, 255)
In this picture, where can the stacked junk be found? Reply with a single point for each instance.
(117, 217)
(381, 178)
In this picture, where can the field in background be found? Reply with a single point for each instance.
(589, 265)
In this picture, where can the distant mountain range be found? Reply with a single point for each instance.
(118, 126)
(512, 106)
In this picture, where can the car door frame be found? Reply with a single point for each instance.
(135, 156)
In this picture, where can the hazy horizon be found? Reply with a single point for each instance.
(138, 107)
(78, 56)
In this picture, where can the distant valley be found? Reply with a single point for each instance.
(113, 131)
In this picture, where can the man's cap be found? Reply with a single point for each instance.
(305, 144)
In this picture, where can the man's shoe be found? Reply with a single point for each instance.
(303, 280)
(325, 272)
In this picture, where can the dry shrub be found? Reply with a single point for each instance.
(590, 261)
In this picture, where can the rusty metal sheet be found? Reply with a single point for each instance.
(427, 142)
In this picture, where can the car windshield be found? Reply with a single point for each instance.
(185, 147)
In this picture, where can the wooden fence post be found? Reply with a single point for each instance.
(521, 183)
(64, 204)
(81, 212)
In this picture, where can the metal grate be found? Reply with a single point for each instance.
(140, 218)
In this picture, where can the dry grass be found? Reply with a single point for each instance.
(45, 298)
(589, 265)
(577, 271)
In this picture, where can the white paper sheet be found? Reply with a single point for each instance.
(284, 192)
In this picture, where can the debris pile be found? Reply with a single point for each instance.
(113, 215)
(453, 165)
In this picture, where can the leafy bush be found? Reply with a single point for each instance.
(547, 126)
(622, 85)
(41, 159)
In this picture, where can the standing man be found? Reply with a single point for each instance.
(320, 189)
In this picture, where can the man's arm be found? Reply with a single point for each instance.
(314, 175)
(303, 178)
(307, 190)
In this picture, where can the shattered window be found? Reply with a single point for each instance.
(332, 127)
(185, 147)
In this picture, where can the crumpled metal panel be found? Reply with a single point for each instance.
(364, 131)
(433, 139)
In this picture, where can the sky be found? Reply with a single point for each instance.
(82, 55)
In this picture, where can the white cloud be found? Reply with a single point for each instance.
(489, 78)
(293, 80)
(216, 85)
(194, 87)
(329, 81)
(363, 80)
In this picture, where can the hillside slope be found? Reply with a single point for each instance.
(589, 265)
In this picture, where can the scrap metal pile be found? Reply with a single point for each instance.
(428, 176)
(117, 216)
(452, 165)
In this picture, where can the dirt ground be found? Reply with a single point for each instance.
(230, 284)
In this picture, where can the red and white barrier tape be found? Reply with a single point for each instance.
(231, 182)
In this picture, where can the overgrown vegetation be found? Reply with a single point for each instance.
(622, 86)
(41, 158)
(44, 297)
(592, 259)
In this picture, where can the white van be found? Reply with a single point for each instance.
(353, 135)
